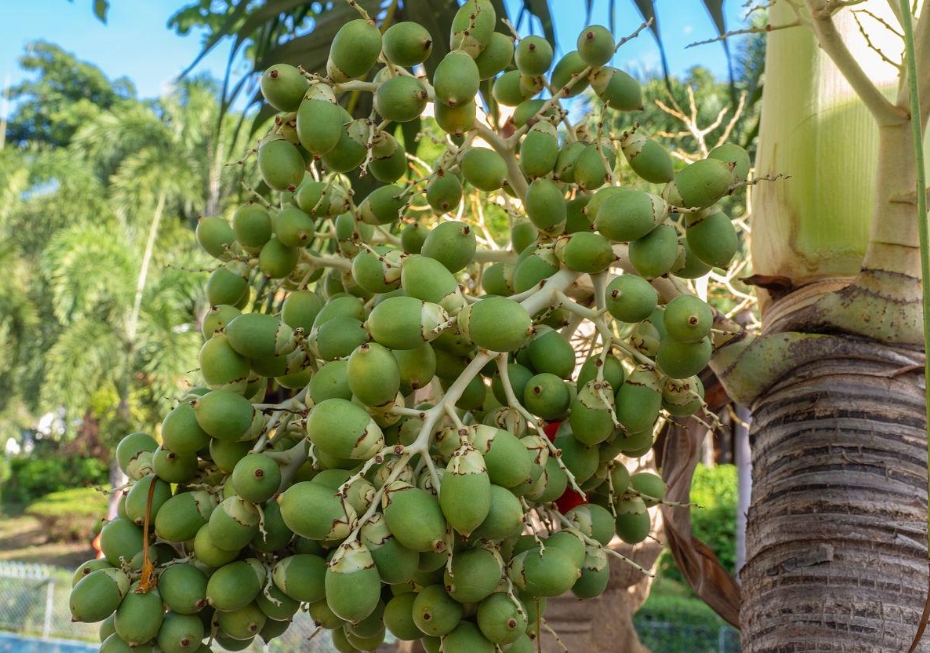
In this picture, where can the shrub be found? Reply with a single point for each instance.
(34, 476)
(69, 515)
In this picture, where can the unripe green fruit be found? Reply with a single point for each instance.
(702, 183)
(137, 498)
(548, 572)
(406, 44)
(217, 318)
(293, 227)
(586, 251)
(351, 150)
(173, 467)
(692, 267)
(183, 588)
(465, 499)
(638, 400)
(353, 586)
(550, 352)
(113, 644)
(680, 360)
(533, 56)
(412, 237)
(547, 396)
(181, 516)
(496, 324)
(539, 150)
(256, 335)
(456, 79)
(473, 27)
(131, 447)
(435, 612)
(628, 215)
(545, 206)
(444, 193)
(455, 120)
(617, 89)
(473, 575)
(497, 279)
(529, 111)
(215, 236)
(595, 575)
(496, 56)
(331, 517)
(682, 397)
(570, 65)
(451, 243)
(283, 87)
(377, 271)
(233, 586)
(224, 415)
(633, 523)
(630, 298)
(733, 153)
(591, 420)
(613, 370)
(396, 563)
(405, 322)
(233, 524)
(276, 260)
(655, 253)
(647, 157)
(208, 553)
(594, 521)
(687, 318)
(301, 577)
(252, 225)
(590, 169)
(344, 429)
(522, 235)
(300, 309)
(228, 284)
(501, 619)
(180, 633)
(356, 47)
(650, 486)
(596, 45)
(98, 595)
(281, 165)
(505, 519)
(536, 266)
(713, 238)
(139, 617)
(417, 367)
(256, 478)
(401, 98)
(484, 169)
(414, 517)
(241, 624)
(389, 162)
(507, 89)
(373, 374)
(398, 617)
(466, 638)
(320, 124)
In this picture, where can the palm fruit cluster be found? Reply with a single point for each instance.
(381, 440)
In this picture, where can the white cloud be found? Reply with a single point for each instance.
(687, 29)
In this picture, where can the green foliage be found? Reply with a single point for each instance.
(69, 514)
(47, 471)
(713, 519)
(67, 92)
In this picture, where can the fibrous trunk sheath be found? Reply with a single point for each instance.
(837, 548)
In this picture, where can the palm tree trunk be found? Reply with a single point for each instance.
(837, 533)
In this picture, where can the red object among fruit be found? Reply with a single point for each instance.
(569, 500)
(550, 430)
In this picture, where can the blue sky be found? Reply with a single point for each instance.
(137, 43)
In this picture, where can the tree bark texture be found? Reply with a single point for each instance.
(836, 540)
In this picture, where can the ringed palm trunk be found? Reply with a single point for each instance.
(836, 539)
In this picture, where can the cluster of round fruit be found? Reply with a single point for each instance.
(442, 464)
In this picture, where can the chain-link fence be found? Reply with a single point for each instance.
(35, 616)
(665, 637)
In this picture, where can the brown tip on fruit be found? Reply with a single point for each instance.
(589, 36)
(532, 46)
(273, 74)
